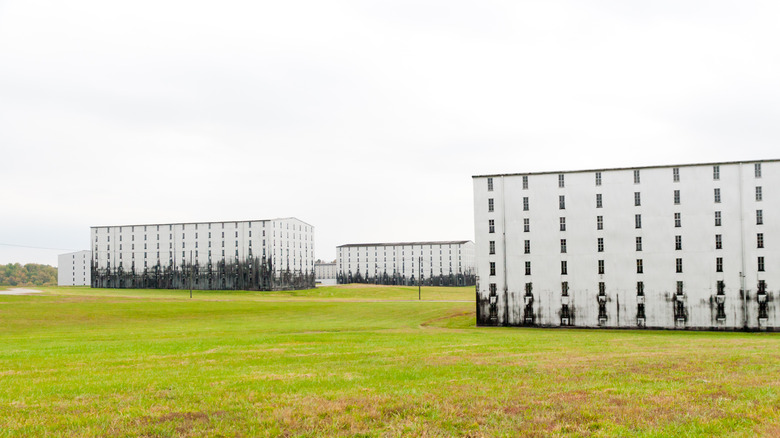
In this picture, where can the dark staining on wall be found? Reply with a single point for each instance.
(720, 303)
(602, 300)
(528, 305)
(763, 303)
(566, 313)
(252, 274)
(396, 279)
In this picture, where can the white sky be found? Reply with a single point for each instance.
(365, 119)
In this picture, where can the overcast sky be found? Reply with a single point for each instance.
(366, 119)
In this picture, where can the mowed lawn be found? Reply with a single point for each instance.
(361, 361)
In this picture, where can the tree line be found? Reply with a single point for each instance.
(31, 274)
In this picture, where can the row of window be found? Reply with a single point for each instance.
(637, 199)
(375, 260)
(170, 226)
(640, 288)
(600, 244)
(637, 221)
(639, 266)
(675, 176)
(183, 236)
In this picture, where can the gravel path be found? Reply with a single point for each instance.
(19, 291)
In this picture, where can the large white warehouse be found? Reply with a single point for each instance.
(689, 246)
(257, 255)
(449, 263)
(73, 268)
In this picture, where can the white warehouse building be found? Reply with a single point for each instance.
(73, 268)
(448, 263)
(690, 246)
(325, 272)
(267, 254)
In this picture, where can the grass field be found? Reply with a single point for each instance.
(361, 361)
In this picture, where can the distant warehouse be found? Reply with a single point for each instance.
(449, 263)
(273, 254)
(690, 246)
(73, 268)
(325, 270)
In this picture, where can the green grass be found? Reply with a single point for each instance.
(361, 361)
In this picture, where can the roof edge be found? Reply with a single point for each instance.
(607, 169)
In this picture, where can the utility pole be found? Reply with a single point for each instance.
(190, 274)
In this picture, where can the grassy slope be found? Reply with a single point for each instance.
(325, 362)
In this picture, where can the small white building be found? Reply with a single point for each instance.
(73, 268)
(255, 254)
(448, 263)
(690, 246)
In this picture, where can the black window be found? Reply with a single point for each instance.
(492, 268)
(717, 219)
(760, 240)
(757, 170)
(490, 184)
(563, 223)
(759, 217)
(491, 226)
(636, 177)
(676, 196)
(639, 266)
(717, 196)
(600, 244)
(525, 182)
(761, 264)
(598, 200)
(718, 241)
(677, 220)
(490, 204)
(639, 243)
(563, 245)
(715, 172)
(526, 225)
(527, 268)
(678, 265)
(676, 174)
(719, 264)
(562, 202)
(601, 266)
(638, 221)
(564, 267)
(599, 222)
(527, 247)
(598, 178)
(492, 247)
(560, 180)
(525, 203)
(637, 199)
(759, 195)
(678, 243)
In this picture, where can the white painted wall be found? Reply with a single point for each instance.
(289, 242)
(325, 271)
(697, 208)
(73, 268)
(439, 258)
